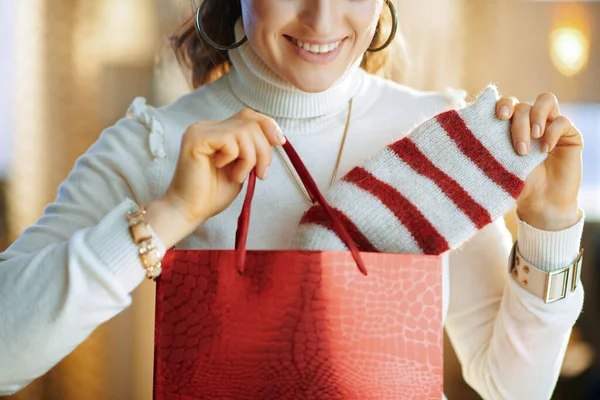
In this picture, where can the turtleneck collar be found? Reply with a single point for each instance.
(258, 87)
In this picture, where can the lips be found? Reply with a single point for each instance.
(315, 47)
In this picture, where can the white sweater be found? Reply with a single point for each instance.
(76, 267)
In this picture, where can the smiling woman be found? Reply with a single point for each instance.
(207, 63)
(176, 175)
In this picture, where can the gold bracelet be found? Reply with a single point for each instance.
(141, 233)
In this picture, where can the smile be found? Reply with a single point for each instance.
(315, 48)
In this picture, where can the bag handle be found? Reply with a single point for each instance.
(241, 236)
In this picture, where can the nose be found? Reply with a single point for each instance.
(320, 16)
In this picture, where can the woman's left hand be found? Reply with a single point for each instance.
(549, 199)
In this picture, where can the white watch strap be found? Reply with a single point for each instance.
(549, 286)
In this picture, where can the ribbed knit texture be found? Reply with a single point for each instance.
(542, 247)
(432, 190)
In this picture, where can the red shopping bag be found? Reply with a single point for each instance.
(238, 324)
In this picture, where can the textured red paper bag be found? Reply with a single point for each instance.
(298, 324)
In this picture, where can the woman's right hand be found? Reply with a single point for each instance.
(216, 158)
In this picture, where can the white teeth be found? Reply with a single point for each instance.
(329, 47)
(315, 48)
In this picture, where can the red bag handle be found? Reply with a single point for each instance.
(241, 236)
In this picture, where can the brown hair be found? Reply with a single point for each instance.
(207, 63)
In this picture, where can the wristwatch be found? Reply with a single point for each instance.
(549, 286)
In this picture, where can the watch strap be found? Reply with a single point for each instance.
(549, 286)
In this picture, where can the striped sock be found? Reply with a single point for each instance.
(430, 191)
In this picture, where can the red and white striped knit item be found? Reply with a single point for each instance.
(430, 191)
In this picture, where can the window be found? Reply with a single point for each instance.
(6, 89)
(586, 117)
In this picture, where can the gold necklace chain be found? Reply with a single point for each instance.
(337, 163)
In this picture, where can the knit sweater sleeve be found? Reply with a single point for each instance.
(509, 342)
(75, 268)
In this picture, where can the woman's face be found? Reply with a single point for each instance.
(310, 43)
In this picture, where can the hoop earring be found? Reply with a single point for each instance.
(200, 30)
(394, 13)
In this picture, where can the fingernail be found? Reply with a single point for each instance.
(522, 148)
(266, 173)
(536, 131)
(280, 136)
(545, 147)
(504, 112)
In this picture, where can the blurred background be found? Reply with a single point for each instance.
(70, 68)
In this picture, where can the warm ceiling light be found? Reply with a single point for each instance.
(569, 49)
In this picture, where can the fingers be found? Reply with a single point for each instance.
(268, 126)
(521, 128)
(228, 152)
(223, 147)
(247, 159)
(271, 129)
(264, 154)
(245, 139)
(541, 119)
(544, 109)
(256, 135)
(561, 126)
(250, 149)
(505, 107)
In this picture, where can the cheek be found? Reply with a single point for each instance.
(260, 21)
(364, 22)
(254, 15)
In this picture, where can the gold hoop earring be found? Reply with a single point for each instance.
(394, 13)
(200, 30)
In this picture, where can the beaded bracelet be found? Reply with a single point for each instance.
(141, 232)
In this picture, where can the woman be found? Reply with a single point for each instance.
(297, 70)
